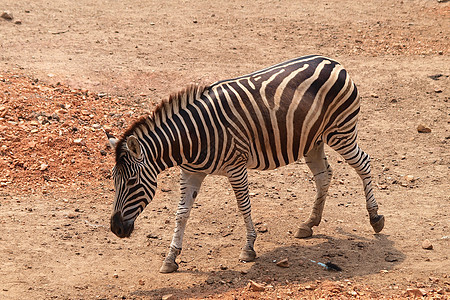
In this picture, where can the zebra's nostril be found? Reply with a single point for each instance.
(119, 227)
(116, 224)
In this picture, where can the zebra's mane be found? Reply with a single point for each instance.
(162, 112)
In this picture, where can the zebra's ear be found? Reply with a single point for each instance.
(112, 140)
(134, 147)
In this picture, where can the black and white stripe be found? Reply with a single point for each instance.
(263, 120)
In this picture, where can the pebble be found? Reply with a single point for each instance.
(43, 167)
(262, 228)
(168, 297)
(423, 129)
(115, 275)
(7, 15)
(141, 282)
(426, 244)
(410, 178)
(18, 22)
(256, 287)
(416, 292)
(284, 263)
(77, 141)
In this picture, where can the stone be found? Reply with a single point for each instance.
(410, 178)
(262, 228)
(141, 282)
(426, 244)
(7, 15)
(115, 275)
(423, 129)
(77, 141)
(168, 297)
(416, 292)
(284, 263)
(18, 22)
(43, 167)
(255, 287)
(390, 257)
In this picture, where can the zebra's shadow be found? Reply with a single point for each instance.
(355, 255)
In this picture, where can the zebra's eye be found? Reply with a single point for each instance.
(132, 181)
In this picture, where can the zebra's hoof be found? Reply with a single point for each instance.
(247, 255)
(168, 267)
(303, 232)
(377, 223)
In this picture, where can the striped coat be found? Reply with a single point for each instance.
(263, 120)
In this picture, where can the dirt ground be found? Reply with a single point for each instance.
(69, 68)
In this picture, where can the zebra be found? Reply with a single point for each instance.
(263, 120)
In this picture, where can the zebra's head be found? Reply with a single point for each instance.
(134, 182)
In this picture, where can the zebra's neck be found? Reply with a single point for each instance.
(168, 136)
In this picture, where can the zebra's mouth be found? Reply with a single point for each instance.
(119, 227)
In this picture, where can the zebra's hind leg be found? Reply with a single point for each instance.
(189, 185)
(238, 180)
(318, 164)
(360, 161)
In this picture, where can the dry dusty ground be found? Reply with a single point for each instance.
(70, 67)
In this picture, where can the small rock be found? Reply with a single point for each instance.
(373, 95)
(262, 228)
(77, 141)
(141, 282)
(43, 167)
(391, 257)
(416, 292)
(427, 245)
(18, 22)
(222, 267)
(437, 91)
(255, 287)
(423, 129)
(284, 263)
(7, 15)
(410, 178)
(168, 297)
(115, 275)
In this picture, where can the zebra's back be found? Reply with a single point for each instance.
(278, 113)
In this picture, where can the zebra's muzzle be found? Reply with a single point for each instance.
(119, 227)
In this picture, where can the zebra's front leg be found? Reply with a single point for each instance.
(318, 164)
(239, 182)
(190, 185)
